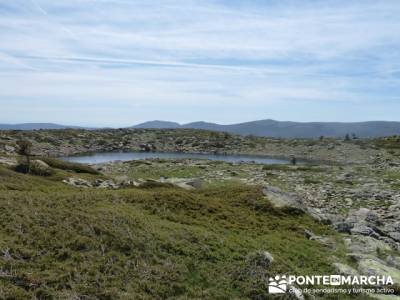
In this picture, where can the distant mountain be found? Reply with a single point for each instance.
(157, 125)
(34, 126)
(279, 129)
(269, 128)
(204, 125)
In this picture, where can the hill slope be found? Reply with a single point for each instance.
(34, 126)
(267, 128)
(158, 124)
(60, 242)
(278, 129)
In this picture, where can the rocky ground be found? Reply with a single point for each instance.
(70, 142)
(352, 186)
(360, 201)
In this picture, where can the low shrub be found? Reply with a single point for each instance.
(155, 184)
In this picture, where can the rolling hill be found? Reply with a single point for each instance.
(34, 126)
(283, 129)
(266, 128)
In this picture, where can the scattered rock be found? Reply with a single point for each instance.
(78, 182)
(362, 215)
(10, 161)
(365, 245)
(393, 261)
(105, 184)
(324, 240)
(196, 183)
(260, 259)
(101, 184)
(39, 167)
(364, 230)
(280, 198)
(343, 227)
(296, 292)
(185, 183)
(376, 267)
(9, 149)
(39, 164)
(345, 270)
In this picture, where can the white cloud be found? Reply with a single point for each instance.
(198, 53)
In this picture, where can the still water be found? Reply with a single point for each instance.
(104, 157)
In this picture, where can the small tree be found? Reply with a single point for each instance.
(347, 137)
(25, 149)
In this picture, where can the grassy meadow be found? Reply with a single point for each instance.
(62, 242)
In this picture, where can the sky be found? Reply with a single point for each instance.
(122, 62)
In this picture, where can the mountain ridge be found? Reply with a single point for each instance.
(290, 129)
(266, 128)
(35, 126)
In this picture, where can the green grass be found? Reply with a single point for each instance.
(298, 168)
(139, 169)
(311, 180)
(392, 142)
(393, 175)
(60, 242)
(154, 170)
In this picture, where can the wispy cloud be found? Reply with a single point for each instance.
(39, 8)
(256, 58)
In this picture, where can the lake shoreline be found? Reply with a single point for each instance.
(61, 143)
(109, 157)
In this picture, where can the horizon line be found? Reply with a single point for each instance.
(188, 123)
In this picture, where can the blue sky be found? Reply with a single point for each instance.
(121, 62)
